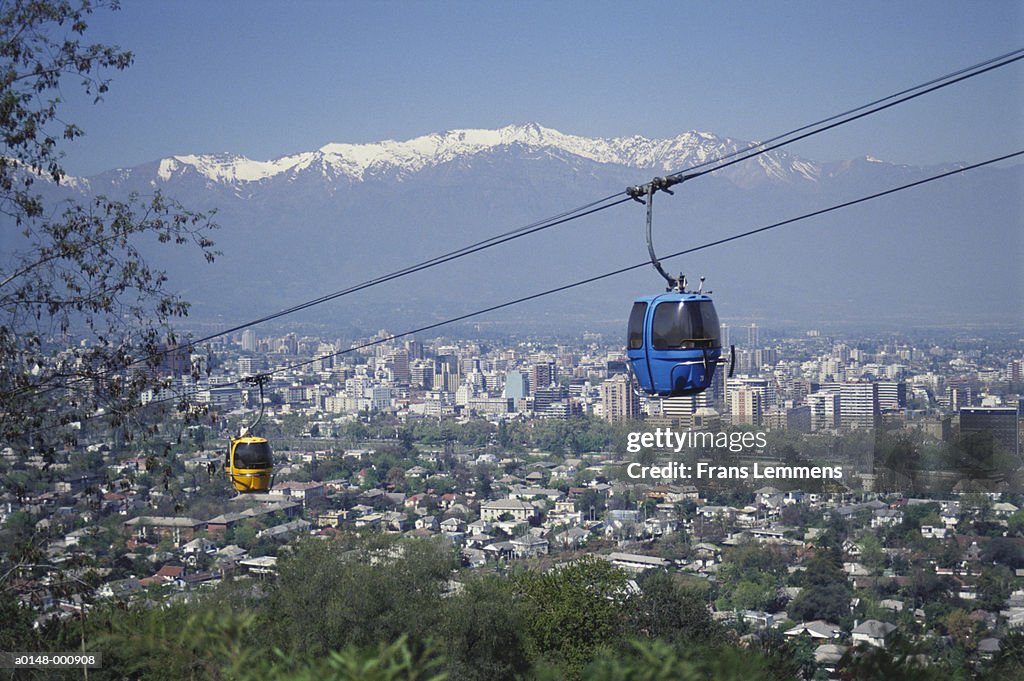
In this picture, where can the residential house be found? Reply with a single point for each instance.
(121, 588)
(427, 522)
(298, 491)
(518, 510)
(573, 537)
(529, 546)
(261, 566)
(828, 657)
(179, 529)
(286, 530)
(873, 632)
(635, 562)
(817, 629)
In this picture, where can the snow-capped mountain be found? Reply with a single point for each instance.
(299, 226)
(357, 161)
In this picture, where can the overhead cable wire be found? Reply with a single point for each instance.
(609, 201)
(616, 272)
(562, 218)
(647, 263)
(718, 163)
(848, 116)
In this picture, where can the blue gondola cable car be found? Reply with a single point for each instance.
(673, 339)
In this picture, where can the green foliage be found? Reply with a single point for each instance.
(1004, 551)
(963, 630)
(383, 662)
(1009, 662)
(750, 575)
(330, 595)
(897, 462)
(471, 433)
(485, 627)
(569, 437)
(666, 609)
(378, 609)
(575, 610)
(871, 554)
(17, 632)
(927, 587)
(176, 643)
(902, 661)
(994, 587)
(748, 595)
(826, 593)
(1015, 523)
(660, 661)
(36, 61)
(74, 269)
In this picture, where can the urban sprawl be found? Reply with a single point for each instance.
(523, 452)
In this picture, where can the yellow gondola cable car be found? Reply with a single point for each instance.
(250, 461)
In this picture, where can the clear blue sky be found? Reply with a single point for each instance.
(264, 79)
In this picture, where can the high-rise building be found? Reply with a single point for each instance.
(752, 337)
(516, 387)
(542, 374)
(414, 348)
(545, 397)
(249, 340)
(762, 386)
(746, 407)
(825, 409)
(421, 374)
(1000, 422)
(959, 394)
(859, 405)
(798, 418)
(249, 366)
(1015, 370)
(175, 360)
(619, 400)
(397, 362)
(446, 373)
(683, 405)
(892, 395)
(357, 386)
(614, 366)
(765, 357)
(289, 345)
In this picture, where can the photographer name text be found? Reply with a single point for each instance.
(756, 471)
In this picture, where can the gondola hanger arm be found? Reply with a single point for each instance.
(258, 380)
(647, 191)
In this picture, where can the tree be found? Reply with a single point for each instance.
(330, 595)
(964, 630)
(177, 642)
(658, 661)
(575, 610)
(84, 316)
(1004, 551)
(826, 594)
(484, 626)
(1009, 663)
(994, 586)
(871, 553)
(667, 610)
(1015, 523)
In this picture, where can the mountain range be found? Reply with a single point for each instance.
(297, 227)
